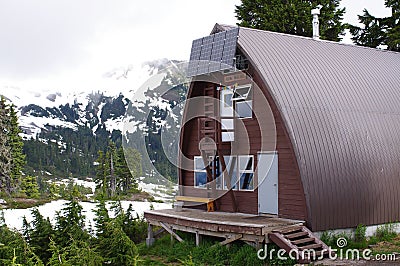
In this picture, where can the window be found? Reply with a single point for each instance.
(228, 99)
(246, 172)
(227, 124)
(216, 169)
(226, 111)
(200, 173)
(228, 136)
(243, 101)
(231, 169)
(239, 171)
(241, 93)
(244, 109)
(226, 106)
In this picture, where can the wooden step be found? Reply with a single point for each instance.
(296, 235)
(289, 229)
(303, 240)
(311, 246)
(300, 238)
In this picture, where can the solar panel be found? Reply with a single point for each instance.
(216, 53)
(194, 57)
(228, 54)
(205, 54)
(213, 53)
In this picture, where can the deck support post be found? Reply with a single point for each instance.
(150, 235)
(257, 244)
(198, 238)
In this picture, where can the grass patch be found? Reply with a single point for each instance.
(163, 252)
(384, 241)
(24, 203)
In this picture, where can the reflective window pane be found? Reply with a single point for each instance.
(228, 100)
(227, 124)
(246, 181)
(241, 93)
(198, 163)
(228, 136)
(244, 109)
(245, 163)
(200, 179)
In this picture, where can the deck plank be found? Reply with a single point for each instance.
(238, 223)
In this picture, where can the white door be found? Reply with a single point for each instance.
(267, 169)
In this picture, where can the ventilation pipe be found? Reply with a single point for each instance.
(315, 12)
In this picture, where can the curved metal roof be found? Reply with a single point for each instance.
(341, 105)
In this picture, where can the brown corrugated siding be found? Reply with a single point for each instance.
(340, 107)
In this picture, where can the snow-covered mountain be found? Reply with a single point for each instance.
(41, 110)
(82, 122)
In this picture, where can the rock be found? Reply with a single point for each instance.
(3, 201)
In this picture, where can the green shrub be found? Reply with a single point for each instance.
(386, 232)
(327, 238)
(359, 234)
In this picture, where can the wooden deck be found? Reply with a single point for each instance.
(231, 226)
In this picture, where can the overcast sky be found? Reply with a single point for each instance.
(70, 44)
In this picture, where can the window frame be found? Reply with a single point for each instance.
(226, 110)
(245, 171)
(243, 98)
(235, 170)
(195, 170)
(244, 102)
(236, 174)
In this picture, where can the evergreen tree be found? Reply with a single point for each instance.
(393, 25)
(38, 234)
(101, 218)
(29, 186)
(113, 242)
(16, 144)
(379, 32)
(128, 169)
(292, 17)
(111, 158)
(372, 34)
(101, 174)
(5, 149)
(117, 171)
(135, 227)
(14, 250)
(116, 247)
(77, 253)
(70, 224)
(12, 159)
